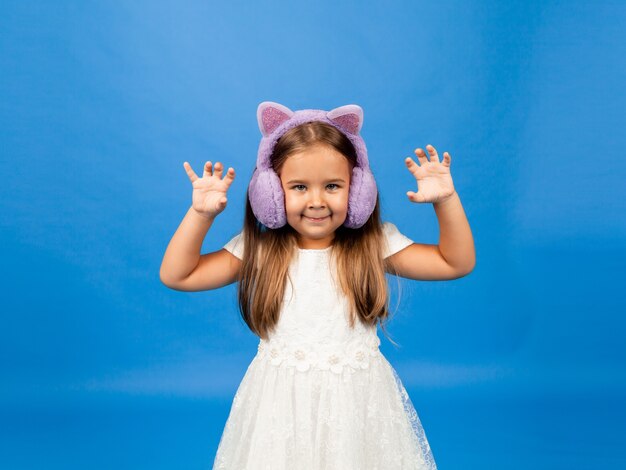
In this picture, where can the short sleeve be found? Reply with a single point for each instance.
(395, 241)
(235, 245)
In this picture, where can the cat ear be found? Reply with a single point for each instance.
(348, 117)
(270, 115)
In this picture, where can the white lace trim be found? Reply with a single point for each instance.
(426, 455)
(352, 355)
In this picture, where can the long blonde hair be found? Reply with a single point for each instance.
(357, 253)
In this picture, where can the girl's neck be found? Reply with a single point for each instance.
(310, 244)
(315, 249)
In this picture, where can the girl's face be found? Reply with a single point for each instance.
(316, 182)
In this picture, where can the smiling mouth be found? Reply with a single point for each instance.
(316, 219)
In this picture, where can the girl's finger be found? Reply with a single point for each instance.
(230, 176)
(433, 153)
(411, 165)
(207, 169)
(192, 175)
(414, 196)
(447, 159)
(221, 204)
(421, 156)
(218, 170)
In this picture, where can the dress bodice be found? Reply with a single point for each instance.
(313, 329)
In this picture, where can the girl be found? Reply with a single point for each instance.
(310, 264)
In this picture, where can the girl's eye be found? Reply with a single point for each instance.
(302, 187)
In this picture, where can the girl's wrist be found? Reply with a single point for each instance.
(208, 218)
(447, 198)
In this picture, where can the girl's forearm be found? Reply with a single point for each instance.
(456, 243)
(183, 252)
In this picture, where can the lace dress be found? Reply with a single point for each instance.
(318, 394)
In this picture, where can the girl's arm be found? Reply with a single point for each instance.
(183, 268)
(454, 256)
(456, 243)
(183, 251)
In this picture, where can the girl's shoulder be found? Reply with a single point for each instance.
(394, 240)
(235, 245)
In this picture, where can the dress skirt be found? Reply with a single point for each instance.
(335, 416)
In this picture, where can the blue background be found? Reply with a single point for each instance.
(518, 365)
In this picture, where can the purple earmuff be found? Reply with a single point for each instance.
(265, 189)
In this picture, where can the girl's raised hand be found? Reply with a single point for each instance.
(209, 192)
(434, 181)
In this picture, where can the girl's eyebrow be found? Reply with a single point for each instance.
(338, 180)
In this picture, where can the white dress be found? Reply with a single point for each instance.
(318, 394)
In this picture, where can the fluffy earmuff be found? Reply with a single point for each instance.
(265, 189)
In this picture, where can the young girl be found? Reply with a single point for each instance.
(310, 264)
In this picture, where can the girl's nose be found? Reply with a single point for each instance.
(316, 199)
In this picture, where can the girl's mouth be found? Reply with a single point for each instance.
(318, 219)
